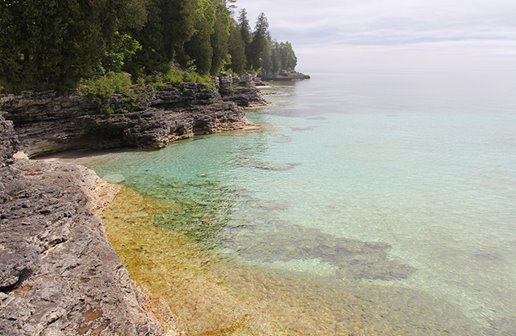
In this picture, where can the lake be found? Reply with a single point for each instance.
(368, 204)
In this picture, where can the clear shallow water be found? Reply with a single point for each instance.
(398, 189)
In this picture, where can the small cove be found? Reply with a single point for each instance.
(356, 211)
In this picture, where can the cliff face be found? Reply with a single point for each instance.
(47, 123)
(58, 273)
(8, 142)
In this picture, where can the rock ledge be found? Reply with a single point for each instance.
(58, 273)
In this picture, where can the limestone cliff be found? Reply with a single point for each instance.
(47, 122)
(58, 273)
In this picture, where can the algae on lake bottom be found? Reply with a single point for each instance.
(212, 294)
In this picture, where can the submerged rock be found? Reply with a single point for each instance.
(351, 259)
(266, 165)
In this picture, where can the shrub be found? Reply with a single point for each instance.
(101, 89)
(176, 76)
(107, 85)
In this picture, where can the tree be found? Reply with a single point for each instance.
(51, 44)
(121, 51)
(260, 42)
(199, 49)
(245, 34)
(276, 59)
(288, 56)
(151, 37)
(236, 50)
(179, 25)
(220, 38)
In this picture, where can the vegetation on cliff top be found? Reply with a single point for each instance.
(52, 44)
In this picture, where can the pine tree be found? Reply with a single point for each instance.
(288, 56)
(245, 34)
(259, 44)
(179, 25)
(237, 50)
(220, 38)
(51, 44)
(277, 60)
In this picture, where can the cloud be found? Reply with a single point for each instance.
(484, 30)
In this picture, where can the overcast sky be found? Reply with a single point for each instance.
(363, 35)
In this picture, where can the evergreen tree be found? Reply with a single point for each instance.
(266, 58)
(52, 43)
(151, 37)
(237, 50)
(259, 45)
(277, 60)
(288, 56)
(179, 25)
(220, 38)
(245, 34)
(199, 50)
(133, 14)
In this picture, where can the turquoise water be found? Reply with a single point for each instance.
(388, 183)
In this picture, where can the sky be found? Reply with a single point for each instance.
(391, 35)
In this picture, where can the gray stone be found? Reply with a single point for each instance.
(58, 273)
(48, 123)
(8, 142)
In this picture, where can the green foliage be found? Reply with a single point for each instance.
(176, 76)
(282, 58)
(151, 37)
(259, 46)
(245, 34)
(107, 85)
(123, 48)
(237, 50)
(52, 44)
(179, 19)
(200, 50)
(133, 14)
(220, 39)
(101, 89)
(287, 56)
(57, 44)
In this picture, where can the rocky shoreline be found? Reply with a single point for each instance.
(58, 273)
(46, 122)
